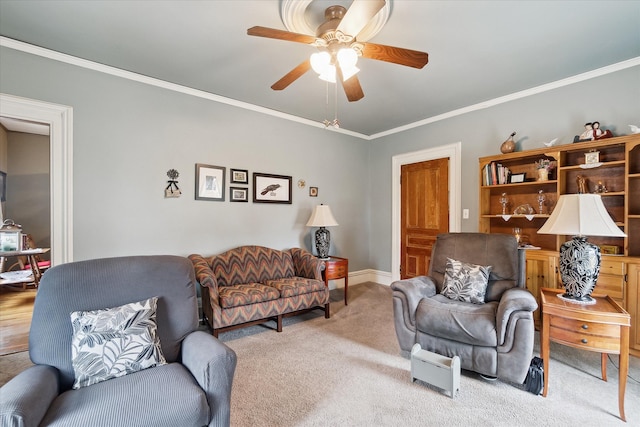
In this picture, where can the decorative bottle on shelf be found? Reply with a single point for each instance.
(509, 146)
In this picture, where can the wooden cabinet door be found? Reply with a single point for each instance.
(424, 213)
(633, 307)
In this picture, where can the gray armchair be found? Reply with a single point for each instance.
(494, 338)
(192, 389)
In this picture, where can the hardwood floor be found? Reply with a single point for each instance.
(16, 308)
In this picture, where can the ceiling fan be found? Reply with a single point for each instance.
(339, 49)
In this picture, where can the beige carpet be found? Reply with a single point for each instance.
(348, 371)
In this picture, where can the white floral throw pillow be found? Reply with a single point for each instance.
(465, 282)
(114, 342)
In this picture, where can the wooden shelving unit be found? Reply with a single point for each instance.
(617, 169)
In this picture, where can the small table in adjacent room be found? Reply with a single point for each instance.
(24, 280)
(337, 268)
(602, 327)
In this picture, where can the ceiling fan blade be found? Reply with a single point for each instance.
(292, 75)
(273, 33)
(358, 16)
(351, 86)
(397, 55)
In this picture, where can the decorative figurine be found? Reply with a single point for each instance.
(592, 132)
(504, 201)
(581, 181)
(541, 199)
(509, 146)
(599, 133)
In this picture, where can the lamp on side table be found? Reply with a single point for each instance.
(322, 217)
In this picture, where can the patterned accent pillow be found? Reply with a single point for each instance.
(465, 282)
(114, 342)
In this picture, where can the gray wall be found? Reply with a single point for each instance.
(127, 135)
(613, 100)
(28, 193)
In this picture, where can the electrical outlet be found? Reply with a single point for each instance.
(465, 213)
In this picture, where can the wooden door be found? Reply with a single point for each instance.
(424, 213)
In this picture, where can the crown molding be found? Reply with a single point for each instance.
(72, 60)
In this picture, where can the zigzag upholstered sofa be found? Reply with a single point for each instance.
(253, 284)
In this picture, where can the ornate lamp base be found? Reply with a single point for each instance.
(323, 238)
(579, 269)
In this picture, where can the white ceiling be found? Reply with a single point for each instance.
(478, 50)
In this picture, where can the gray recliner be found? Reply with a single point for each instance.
(494, 339)
(192, 389)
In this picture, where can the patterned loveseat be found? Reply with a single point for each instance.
(253, 284)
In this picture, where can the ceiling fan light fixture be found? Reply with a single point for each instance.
(329, 74)
(320, 61)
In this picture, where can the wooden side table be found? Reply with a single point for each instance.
(337, 268)
(602, 327)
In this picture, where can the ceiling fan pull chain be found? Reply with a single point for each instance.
(336, 122)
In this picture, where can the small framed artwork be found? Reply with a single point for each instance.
(516, 178)
(238, 194)
(592, 157)
(210, 182)
(3, 186)
(313, 191)
(269, 188)
(239, 176)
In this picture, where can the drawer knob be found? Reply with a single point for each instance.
(585, 326)
(584, 341)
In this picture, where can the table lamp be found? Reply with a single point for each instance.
(580, 215)
(322, 217)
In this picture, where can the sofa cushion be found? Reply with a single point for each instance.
(114, 342)
(251, 264)
(292, 286)
(464, 322)
(465, 282)
(245, 294)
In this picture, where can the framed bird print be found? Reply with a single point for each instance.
(268, 188)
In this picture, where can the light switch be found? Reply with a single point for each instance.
(465, 213)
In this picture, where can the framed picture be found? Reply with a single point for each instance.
(313, 191)
(269, 188)
(3, 186)
(238, 194)
(239, 176)
(516, 177)
(210, 182)
(592, 157)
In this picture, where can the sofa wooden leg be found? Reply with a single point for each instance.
(215, 333)
(327, 311)
(279, 321)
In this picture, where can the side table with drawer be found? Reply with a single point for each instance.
(337, 268)
(602, 327)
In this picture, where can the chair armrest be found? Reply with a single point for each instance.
(26, 398)
(204, 275)
(213, 365)
(306, 264)
(513, 300)
(414, 290)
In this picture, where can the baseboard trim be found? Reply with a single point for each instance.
(362, 276)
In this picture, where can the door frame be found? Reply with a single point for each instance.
(60, 121)
(453, 152)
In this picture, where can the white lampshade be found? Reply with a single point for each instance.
(581, 215)
(321, 217)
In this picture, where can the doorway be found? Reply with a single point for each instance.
(453, 153)
(59, 118)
